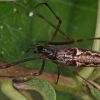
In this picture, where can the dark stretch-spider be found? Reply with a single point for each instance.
(77, 57)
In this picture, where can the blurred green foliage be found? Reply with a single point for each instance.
(18, 31)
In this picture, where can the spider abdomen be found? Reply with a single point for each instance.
(78, 57)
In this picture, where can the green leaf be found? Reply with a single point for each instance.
(39, 85)
(12, 93)
(95, 92)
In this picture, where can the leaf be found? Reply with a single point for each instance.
(12, 93)
(95, 92)
(39, 85)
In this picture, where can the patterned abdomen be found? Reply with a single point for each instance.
(78, 57)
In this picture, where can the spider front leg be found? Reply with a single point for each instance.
(19, 62)
(57, 17)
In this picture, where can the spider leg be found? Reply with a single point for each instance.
(58, 73)
(42, 17)
(42, 68)
(69, 42)
(57, 17)
(19, 61)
